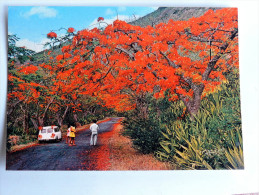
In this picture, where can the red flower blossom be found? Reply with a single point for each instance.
(31, 69)
(70, 30)
(52, 35)
(100, 19)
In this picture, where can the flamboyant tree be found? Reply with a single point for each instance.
(46, 93)
(65, 78)
(23, 90)
(122, 63)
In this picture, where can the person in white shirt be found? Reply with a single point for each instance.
(94, 129)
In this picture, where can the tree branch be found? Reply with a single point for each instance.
(215, 59)
(171, 63)
(103, 77)
(47, 107)
(130, 54)
(12, 106)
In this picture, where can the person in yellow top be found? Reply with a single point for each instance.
(72, 135)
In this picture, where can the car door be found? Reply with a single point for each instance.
(50, 133)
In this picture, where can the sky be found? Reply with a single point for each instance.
(32, 24)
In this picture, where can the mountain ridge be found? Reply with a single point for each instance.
(163, 14)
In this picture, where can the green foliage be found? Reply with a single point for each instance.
(192, 155)
(212, 140)
(144, 133)
(20, 53)
(234, 154)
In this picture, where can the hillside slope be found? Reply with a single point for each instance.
(163, 14)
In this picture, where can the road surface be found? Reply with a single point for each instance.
(59, 156)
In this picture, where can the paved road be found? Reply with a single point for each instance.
(59, 156)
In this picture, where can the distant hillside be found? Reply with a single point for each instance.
(43, 56)
(163, 14)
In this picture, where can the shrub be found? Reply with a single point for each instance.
(144, 133)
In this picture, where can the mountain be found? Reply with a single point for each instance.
(163, 14)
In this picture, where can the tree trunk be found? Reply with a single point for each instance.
(10, 108)
(25, 122)
(193, 105)
(40, 121)
(142, 107)
(75, 117)
(61, 119)
(25, 117)
(34, 123)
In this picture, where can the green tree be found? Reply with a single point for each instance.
(18, 53)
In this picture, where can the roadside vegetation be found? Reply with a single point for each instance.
(212, 140)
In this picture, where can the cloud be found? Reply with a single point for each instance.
(114, 11)
(42, 12)
(109, 12)
(35, 46)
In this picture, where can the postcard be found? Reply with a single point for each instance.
(123, 88)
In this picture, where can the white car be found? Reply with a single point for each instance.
(49, 133)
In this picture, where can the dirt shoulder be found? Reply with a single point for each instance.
(116, 153)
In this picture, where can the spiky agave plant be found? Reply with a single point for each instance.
(234, 154)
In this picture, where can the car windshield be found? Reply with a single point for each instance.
(43, 131)
(49, 130)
